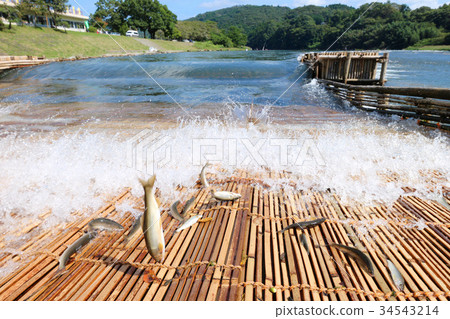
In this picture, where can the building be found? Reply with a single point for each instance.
(73, 17)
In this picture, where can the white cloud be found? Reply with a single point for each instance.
(216, 4)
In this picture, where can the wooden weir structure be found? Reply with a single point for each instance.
(14, 62)
(352, 76)
(240, 255)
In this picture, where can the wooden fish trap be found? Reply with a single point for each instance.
(240, 255)
(13, 62)
(430, 106)
(348, 67)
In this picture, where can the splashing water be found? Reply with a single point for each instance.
(74, 157)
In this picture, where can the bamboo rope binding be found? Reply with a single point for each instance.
(415, 294)
(142, 266)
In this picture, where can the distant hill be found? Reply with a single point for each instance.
(246, 17)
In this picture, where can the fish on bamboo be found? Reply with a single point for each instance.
(104, 224)
(151, 224)
(79, 243)
(304, 225)
(441, 200)
(361, 259)
(225, 196)
(188, 223)
(174, 211)
(188, 206)
(135, 227)
(304, 242)
(396, 276)
(203, 179)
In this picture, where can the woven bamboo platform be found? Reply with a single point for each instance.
(239, 254)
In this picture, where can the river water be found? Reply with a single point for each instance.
(69, 134)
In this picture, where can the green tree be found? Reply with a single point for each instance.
(149, 16)
(108, 15)
(12, 13)
(236, 35)
(49, 8)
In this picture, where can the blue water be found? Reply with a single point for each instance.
(198, 78)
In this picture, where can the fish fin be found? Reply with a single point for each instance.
(149, 183)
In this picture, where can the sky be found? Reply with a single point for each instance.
(185, 9)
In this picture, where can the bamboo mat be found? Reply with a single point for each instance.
(239, 254)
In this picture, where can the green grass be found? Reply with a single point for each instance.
(431, 47)
(437, 43)
(23, 40)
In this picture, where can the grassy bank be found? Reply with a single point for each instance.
(57, 44)
(430, 47)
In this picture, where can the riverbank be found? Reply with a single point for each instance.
(55, 44)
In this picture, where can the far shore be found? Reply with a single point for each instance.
(57, 45)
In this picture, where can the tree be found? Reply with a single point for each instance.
(108, 15)
(149, 16)
(236, 35)
(47, 8)
(11, 13)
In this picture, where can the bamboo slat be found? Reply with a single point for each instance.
(241, 255)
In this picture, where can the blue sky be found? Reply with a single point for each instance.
(185, 9)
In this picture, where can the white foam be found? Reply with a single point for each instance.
(80, 171)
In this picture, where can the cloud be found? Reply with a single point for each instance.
(216, 4)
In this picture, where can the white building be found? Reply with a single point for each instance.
(72, 16)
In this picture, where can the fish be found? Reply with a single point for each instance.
(80, 242)
(188, 206)
(135, 227)
(151, 224)
(224, 195)
(304, 225)
(104, 224)
(188, 223)
(441, 200)
(174, 211)
(203, 179)
(304, 242)
(362, 259)
(396, 276)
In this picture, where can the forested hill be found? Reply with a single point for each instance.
(245, 17)
(384, 26)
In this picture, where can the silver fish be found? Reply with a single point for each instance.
(188, 223)
(396, 276)
(80, 242)
(304, 225)
(225, 196)
(174, 211)
(362, 259)
(443, 202)
(304, 242)
(151, 225)
(136, 226)
(203, 179)
(188, 206)
(104, 224)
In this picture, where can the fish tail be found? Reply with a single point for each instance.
(149, 183)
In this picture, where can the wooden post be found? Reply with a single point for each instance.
(384, 68)
(348, 60)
